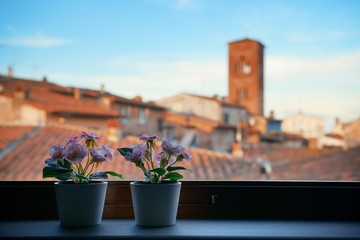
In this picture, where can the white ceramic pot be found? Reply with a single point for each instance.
(80, 205)
(155, 204)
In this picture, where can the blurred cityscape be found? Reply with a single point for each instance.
(229, 137)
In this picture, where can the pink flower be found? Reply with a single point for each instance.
(57, 152)
(90, 139)
(89, 136)
(75, 152)
(187, 156)
(137, 153)
(171, 147)
(145, 137)
(102, 154)
(73, 140)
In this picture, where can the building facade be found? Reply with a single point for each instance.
(215, 122)
(309, 127)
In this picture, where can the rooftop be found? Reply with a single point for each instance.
(25, 159)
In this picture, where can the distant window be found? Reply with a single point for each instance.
(243, 67)
(160, 125)
(239, 67)
(243, 93)
(194, 142)
(124, 114)
(246, 68)
(226, 117)
(170, 132)
(142, 116)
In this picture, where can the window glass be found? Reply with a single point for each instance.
(266, 90)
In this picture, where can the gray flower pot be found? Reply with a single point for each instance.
(155, 205)
(80, 205)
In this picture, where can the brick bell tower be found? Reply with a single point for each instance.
(246, 75)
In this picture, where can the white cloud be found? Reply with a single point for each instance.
(286, 67)
(326, 87)
(154, 79)
(37, 40)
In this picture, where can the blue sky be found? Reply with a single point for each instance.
(158, 48)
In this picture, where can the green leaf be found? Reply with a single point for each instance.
(139, 163)
(64, 177)
(171, 169)
(114, 174)
(50, 161)
(164, 162)
(159, 171)
(124, 151)
(173, 176)
(56, 167)
(65, 164)
(57, 172)
(104, 175)
(98, 175)
(81, 178)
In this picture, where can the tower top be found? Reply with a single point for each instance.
(246, 40)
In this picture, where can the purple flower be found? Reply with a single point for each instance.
(75, 152)
(145, 137)
(187, 156)
(57, 152)
(138, 152)
(171, 147)
(73, 140)
(102, 154)
(89, 136)
(161, 159)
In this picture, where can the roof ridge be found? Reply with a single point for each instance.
(15, 143)
(75, 127)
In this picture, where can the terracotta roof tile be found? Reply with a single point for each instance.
(10, 134)
(340, 165)
(47, 96)
(26, 160)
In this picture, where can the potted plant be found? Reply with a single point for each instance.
(80, 199)
(156, 199)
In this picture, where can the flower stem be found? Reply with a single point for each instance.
(92, 168)
(151, 154)
(87, 162)
(148, 165)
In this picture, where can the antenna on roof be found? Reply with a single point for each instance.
(102, 89)
(10, 72)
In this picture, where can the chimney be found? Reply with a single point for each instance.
(9, 72)
(77, 95)
(113, 130)
(337, 121)
(102, 89)
(19, 95)
(137, 99)
(272, 114)
(215, 97)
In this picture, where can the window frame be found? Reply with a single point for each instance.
(275, 200)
